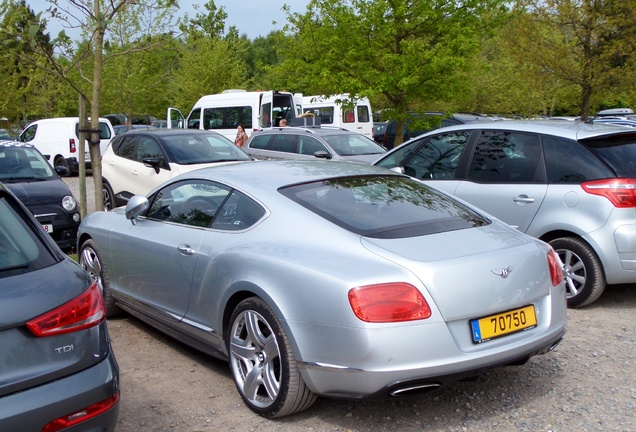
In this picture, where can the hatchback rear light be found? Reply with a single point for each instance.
(556, 267)
(390, 302)
(620, 192)
(82, 415)
(71, 146)
(84, 311)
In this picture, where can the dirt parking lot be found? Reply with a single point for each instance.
(587, 384)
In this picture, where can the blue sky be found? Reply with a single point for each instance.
(252, 17)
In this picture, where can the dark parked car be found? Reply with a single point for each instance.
(31, 178)
(568, 183)
(57, 369)
(419, 124)
(378, 131)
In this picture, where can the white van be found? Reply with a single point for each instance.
(331, 112)
(223, 112)
(57, 139)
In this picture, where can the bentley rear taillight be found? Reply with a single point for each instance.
(556, 267)
(389, 302)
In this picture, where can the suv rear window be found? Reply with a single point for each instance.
(21, 251)
(386, 207)
(617, 151)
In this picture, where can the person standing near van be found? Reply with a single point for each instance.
(241, 136)
(283, 123)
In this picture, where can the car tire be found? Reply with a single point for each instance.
(91, 260)
(584, 277)
(60, 161)
(108, 196)
(263, 364)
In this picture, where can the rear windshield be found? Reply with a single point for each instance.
(21, 251)
(386, 207)
(353, 145)
(617, 151)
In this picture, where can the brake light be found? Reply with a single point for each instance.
(84, 311)
(71, 145)
(556, 267)
(390, 302)
(82, 415)
(620, 192)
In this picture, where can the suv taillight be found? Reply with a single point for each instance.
(71, 145)
(84, 311)
(621, 192)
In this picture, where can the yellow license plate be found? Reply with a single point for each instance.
(494, 326)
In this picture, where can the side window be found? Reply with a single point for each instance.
(285, 143)
(238, 212)
(309, 145)
(148, 148)
(227, 117)
(266, 109)
(29, 133)
(325, 114)
(260, 142)
(570, 162)
(363, 114)
(125, 148)
(438, 157)
(348, 116)
(194, 119)
(507, 157)
(191, 202)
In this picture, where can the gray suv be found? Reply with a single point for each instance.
(570, 184)
(312, 143)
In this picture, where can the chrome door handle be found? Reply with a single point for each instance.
(185, 250)
(523, 199)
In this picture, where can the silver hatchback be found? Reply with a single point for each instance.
(571, 184)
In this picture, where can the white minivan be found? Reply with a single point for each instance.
(331, 112)
(58, 139)
(223, 112)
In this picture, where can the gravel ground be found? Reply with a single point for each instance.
(587, 384)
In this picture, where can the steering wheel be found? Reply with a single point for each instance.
(199, 211)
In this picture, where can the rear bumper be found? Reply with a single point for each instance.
(365, 384)
(32, 409)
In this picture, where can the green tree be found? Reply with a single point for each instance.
(208, 62)
(26, 87)
(401, 54)
(81, 64)
(585, 43)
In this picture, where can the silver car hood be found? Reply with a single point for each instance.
(491, 266)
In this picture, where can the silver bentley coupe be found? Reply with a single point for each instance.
(327, 279)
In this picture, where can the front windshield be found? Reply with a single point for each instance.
(23, 162)
(189, 149)
(353, 145)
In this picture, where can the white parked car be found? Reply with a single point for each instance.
(139, 160)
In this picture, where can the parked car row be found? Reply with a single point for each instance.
(307, 270)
